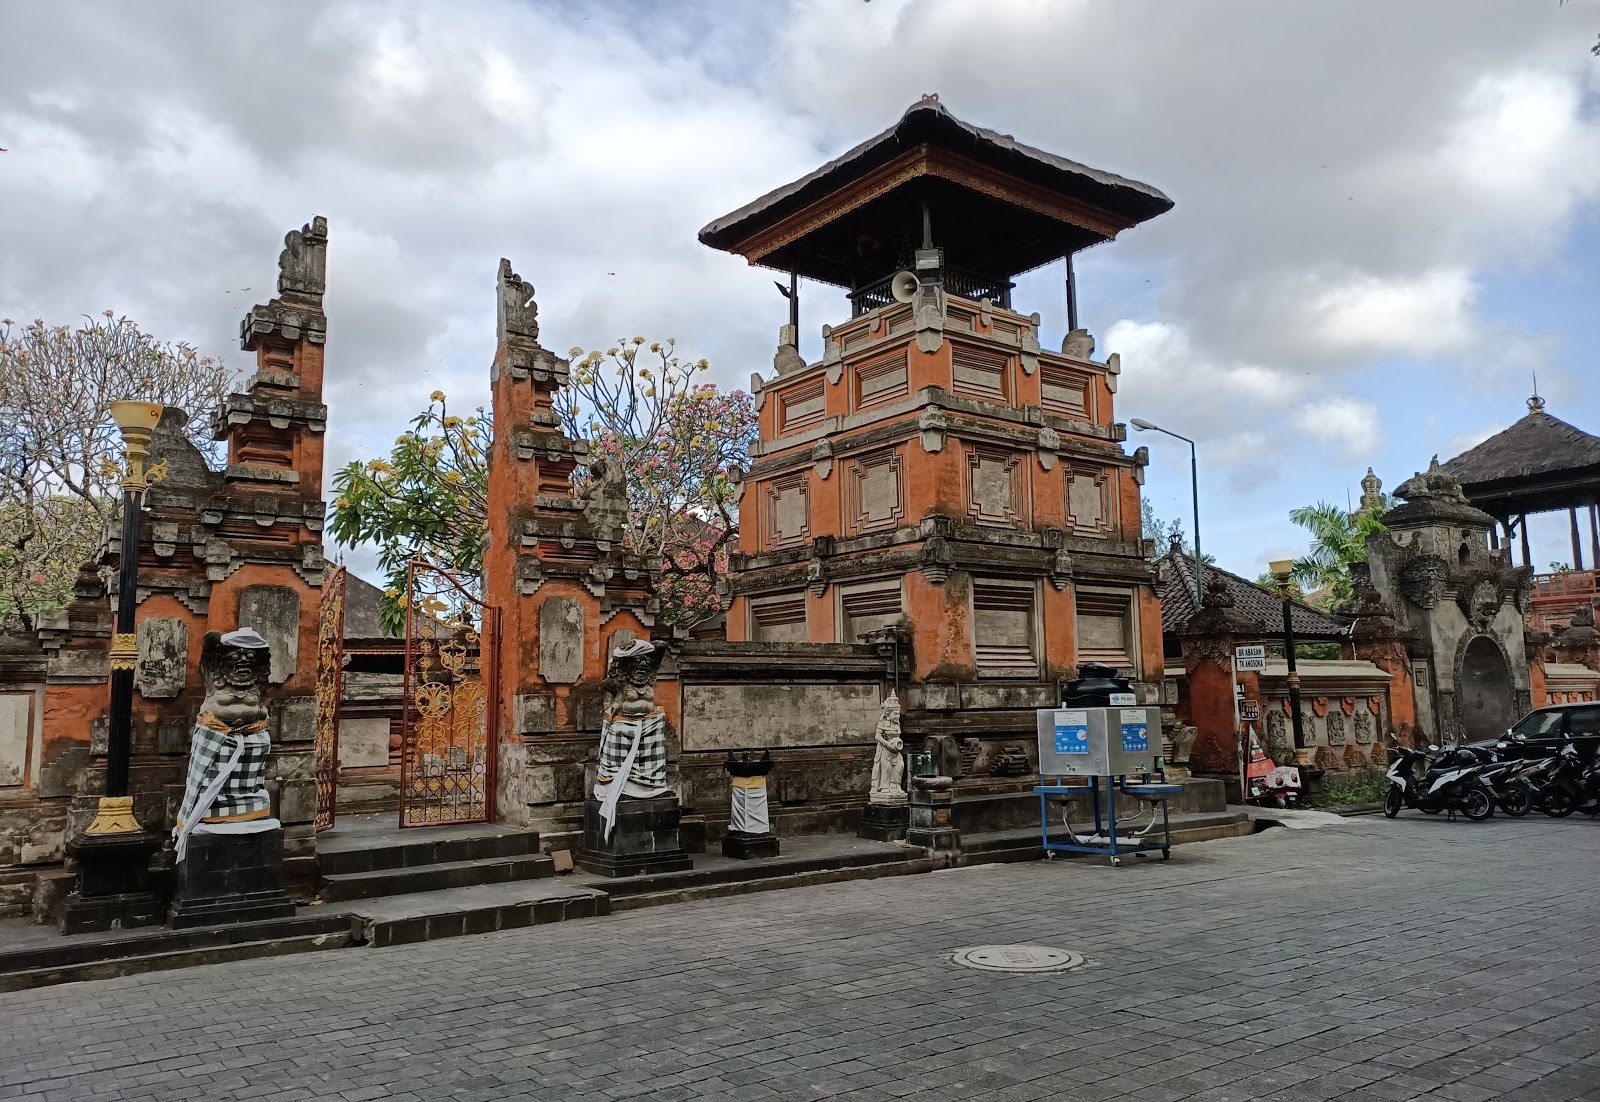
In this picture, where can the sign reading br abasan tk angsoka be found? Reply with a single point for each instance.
(1135, 733)
(1072, 732)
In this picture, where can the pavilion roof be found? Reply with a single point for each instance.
(1020, 207)
(1256, 602)
(1538, 464)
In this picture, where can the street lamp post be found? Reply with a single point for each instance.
(137, 423)
(113, 852)
(1281, 570)
(1194, 485)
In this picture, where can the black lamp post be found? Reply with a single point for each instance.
(137, 422)
(113, 852)
(1281, 570)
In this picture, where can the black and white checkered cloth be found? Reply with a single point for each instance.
(244, 794)
(650, 766)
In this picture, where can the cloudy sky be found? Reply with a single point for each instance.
(1388, 214)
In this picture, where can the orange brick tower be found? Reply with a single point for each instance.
(555, 567)
(937, 470)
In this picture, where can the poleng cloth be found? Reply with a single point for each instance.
(227, 777)
(633, 753)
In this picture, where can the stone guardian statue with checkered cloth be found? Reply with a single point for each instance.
(633, 738)
(225, 791)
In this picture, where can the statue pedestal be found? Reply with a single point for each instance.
(228, 878)
(112, 890)
(645, 838)
(736, 843)
(884, 822)
(932, 823)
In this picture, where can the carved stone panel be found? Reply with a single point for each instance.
(163, 657)
(788, 512)
(1363, 727)
(274, 611)
(1336, 728)
(995, 490)
(1091, 506)
(722, 717)
(15, 735)
(876, 499)
(561, 640)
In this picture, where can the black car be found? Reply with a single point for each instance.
(1543, 732)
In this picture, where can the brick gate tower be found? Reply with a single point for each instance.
(938, 470)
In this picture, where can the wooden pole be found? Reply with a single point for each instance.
(1594, 535)
(1522, 531)
(1577, 540)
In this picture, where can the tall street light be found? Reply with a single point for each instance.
(1194, 484)
(137, 422)
(1281, 570)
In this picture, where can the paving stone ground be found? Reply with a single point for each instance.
(1373, 960)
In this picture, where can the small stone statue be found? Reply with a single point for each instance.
(633, 738)
(225, 792)
(888, 764)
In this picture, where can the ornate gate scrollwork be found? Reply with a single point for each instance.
(448, 746)
(330, 686)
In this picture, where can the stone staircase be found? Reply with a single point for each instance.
(368, 860)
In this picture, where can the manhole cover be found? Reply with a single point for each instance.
(1017, 958)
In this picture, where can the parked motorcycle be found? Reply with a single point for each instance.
(1508, 780)
(1452, 782)
(1563, 784)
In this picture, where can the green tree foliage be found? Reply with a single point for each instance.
(61, 454)
(1338, 541)
(427, 500)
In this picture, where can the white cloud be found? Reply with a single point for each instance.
(1426, 315)
(1346, 424)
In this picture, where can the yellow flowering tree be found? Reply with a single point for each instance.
(428, 499)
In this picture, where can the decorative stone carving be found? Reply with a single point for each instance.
(1278, 744)
(1364, 725)
(1348, 705)
(561, 640)
(888, 762)
(633, 736)
(1029, 343)
(274, 612)
(1423, 579)
(930, 317)
(605, 497)
(1078, 345)
(787, 358)
(1480, 600)
(516, 312)
(1319, 705)
(931, 427)
(228, 753)
(822, 459)
(163, 657)
(1113, 371)
(1049, 445)
(1336, 728)
(302, 266)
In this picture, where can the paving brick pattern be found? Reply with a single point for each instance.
(1373, 960)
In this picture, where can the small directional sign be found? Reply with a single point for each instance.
(1250, 711)
(1251, 659)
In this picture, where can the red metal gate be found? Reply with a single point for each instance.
(447, 760)
(330, 687)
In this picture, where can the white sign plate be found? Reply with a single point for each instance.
(1251, 659)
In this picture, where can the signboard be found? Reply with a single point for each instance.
(1135, 733)
(1072, 732)
(1123, 700)
(1250, 710)
(1250, 659)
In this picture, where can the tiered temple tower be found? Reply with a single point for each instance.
(938, 471)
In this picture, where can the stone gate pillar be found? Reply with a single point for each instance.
(556, 568)
(1382, 640)
(1208, 646)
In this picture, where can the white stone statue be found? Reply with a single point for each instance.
(225, 792)
(888, 764)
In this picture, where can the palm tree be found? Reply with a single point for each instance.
(1338, 539)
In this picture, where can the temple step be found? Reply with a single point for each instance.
(438, 876)
(375, 844)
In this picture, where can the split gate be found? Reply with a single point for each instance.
(330, 686)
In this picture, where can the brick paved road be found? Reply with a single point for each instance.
(1374, 960)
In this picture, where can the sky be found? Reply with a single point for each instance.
(1387, 217)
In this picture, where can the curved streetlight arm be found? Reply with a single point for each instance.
(1194, 486)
